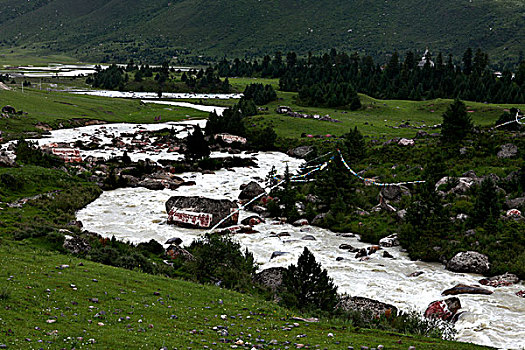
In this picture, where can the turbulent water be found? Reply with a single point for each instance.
(138, 214)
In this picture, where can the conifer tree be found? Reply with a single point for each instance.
(456, 123)
(196, 145)
(308, 286)
(467, 61)
(487, 205)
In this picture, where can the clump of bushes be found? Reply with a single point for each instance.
(220, 260)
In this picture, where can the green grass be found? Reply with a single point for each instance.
(376, 119)
(55, 107)
(31, 180)
(239, 84)
(23, 56)
(42, 215)
(37, 291)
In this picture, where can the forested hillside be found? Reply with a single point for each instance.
(116, 30)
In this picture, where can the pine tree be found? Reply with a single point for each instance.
(354, 145)
(196, 145)
(456, 123)
(308, 286)
(486, 205)
(467, 61)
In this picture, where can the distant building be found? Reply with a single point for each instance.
(421, 63)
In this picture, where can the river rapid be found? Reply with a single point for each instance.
(138, 215)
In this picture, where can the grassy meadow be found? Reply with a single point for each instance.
(377, 118)
(50, 301)
(21, 56)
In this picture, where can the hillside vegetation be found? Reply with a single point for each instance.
(51, 300)
(115, 30)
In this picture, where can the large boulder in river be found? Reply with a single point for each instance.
(252, 220)
(200, 212)
(389, 241)
(250, 191)
(369, 308)
(506, 279)
(469, 261)
(443, 309)
(162, 180)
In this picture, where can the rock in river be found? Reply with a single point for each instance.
(251, 190)
(506, 279)
(469, 261)
(174, 240)
(443, 309)
(252, 220)
(389, 241)
(465, 289)
(200, 211)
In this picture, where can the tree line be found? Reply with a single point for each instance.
(157, 79)
(400, 78)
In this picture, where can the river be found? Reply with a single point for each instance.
(62, 70)
(138, 215)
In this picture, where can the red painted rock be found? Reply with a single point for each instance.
(252, 220)
(200, 212)
(443, 309)
(506, 279)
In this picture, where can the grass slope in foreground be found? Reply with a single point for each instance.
(88, 305)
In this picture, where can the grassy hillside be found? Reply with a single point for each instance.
(50, 300)
(378, 119)
(160, 29)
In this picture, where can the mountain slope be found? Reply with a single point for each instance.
(137, 28)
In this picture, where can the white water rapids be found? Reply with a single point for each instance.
(138, 215)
